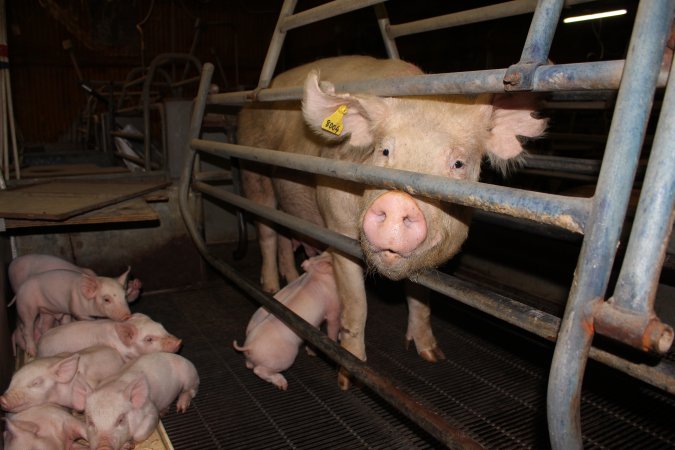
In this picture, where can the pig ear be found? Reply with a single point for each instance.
(319, 103)
(126, 332)
(513, 115)
(65, 370)
(81, 391)
(138, 391)
(122, 279)
(88, 286)
(22, 425)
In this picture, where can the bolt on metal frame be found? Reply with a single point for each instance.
(628, 316)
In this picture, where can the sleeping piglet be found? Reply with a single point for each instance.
(67, 292)
(44, 427)
(53, 379)
(125, 408)
(271, 347)
(137, 335)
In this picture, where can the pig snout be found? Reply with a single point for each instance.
(394, 223)
(5, 403)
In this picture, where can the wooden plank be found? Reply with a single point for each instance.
(61, 199)
(134, 210)
(59, 170)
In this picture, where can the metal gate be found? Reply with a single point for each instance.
(628, 316)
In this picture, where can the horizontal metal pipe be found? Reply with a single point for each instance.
(577, 166)
(498, 11)
(325, 11)
(565, 212)
(511, 311)
(558, 77)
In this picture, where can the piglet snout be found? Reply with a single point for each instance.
(395, 223)
(4, 403)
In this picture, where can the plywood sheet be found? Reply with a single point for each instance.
(134, 210)
(59, 200)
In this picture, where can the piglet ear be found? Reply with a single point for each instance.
(513, 115)
(138, 391)
(81, 391)
(122, 279)
(357, 113)
(88, 286)
(65, 370)
(17, 426)
(126, 332)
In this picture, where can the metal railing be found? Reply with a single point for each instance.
(627, 317)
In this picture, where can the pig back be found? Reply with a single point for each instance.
(168, 375)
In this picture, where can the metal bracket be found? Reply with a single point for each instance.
(520, 77)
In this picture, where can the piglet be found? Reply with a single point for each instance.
(67, 292)
(133, 337)
(54, 379)
(271, 347)
(125, 409)
(24, 266)
(44, 427)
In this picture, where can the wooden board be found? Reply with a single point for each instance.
(61, 199)
(134, 210)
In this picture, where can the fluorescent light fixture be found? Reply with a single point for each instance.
(602, 15)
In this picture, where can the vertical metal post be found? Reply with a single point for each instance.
(383, 24)
(276, 43)
(519, 77)
(615, 181)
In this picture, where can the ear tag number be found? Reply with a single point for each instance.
(333, 123)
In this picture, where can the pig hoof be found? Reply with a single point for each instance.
(434, 354)
(343, 379)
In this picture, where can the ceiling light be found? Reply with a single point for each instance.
(618, 12)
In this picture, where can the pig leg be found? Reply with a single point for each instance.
(352, 292)
(271, 376)
(287, 259)
(419, 323)
(258, 188)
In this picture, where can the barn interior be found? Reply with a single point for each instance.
(98, 103)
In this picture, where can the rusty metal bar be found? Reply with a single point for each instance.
(566, 212)
(557, 77)
(629, 315)
(519, 77)
(509, 310)
(634, 101)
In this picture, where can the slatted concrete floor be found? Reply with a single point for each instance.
(492, 384)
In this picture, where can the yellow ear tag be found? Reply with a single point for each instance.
(333, 123)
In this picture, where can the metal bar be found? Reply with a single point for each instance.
(519, 77)
(409, 406)
(558, 77)
(511, 311)
(574, 165)
(629, 315)
(274, 49)
(483, 14)
(565, 212)
(385, 28)
(609, 207)
(325, 11)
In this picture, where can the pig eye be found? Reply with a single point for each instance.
(385, 152)
(121, 419)
(36, 382)
(148, 339)
(106, 299)
(458, 164)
